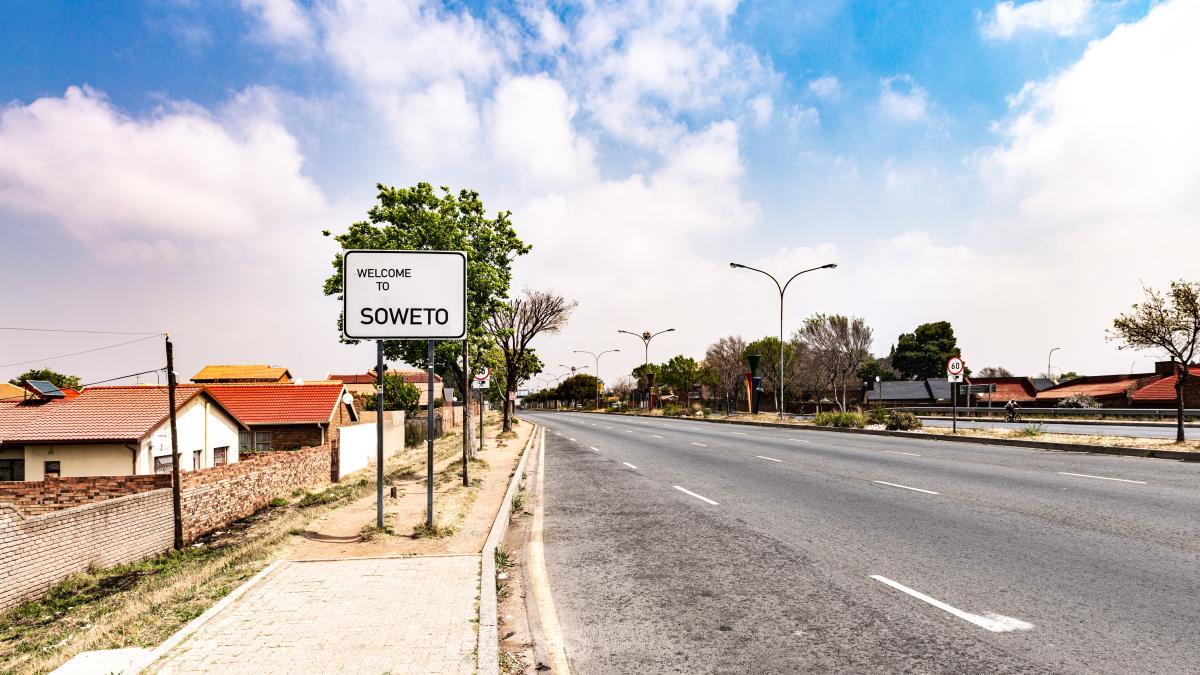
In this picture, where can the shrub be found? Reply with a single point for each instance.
(842, 420)
(1079, 401)
(902, 421)
(1032, 430)
(414, 435)
(877, 415)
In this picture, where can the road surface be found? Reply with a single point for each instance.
(684, 546)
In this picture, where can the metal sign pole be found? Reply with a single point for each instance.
(954, 397)
(429, 444)
(379, 368)
(466, 414)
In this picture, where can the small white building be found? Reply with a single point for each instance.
(115, 431)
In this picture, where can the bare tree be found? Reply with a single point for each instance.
(514, 325)
(726, 359)
(994, 371)
(623, 387)
(1170, 323)
(835, 347)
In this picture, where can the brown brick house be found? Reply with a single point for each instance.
(286, 416)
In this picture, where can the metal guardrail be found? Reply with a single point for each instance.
(1098, 413)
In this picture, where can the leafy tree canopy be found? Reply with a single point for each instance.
(924, 352)
(397, 395)
(57, 379)
(581, 388)
(994, 371)
(876, 368)
(680, 373)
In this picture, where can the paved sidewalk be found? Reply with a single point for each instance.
(376, 615)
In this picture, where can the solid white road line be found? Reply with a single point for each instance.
(629, 465)
(883, 482)
(897, 452)
(593, 448)
(769, 459)
(1084, 475)
(689, 492)
(996, 623)
(699, 444)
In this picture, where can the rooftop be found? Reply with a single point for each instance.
(242, 373)
(279, 403)
(1163, 389)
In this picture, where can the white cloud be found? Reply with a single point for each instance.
(1061, 17)
(762, 107)
(532, 135)
(179, 172)
(828, 87)
(902, 99)
(282, 22)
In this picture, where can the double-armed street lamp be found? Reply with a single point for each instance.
(1048, 375)
(597, 357)
(782, 290)
(646, 337)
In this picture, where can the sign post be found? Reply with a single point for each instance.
(955, 367)
(404, 295)
(480, 381)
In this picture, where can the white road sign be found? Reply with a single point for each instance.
(404, 295)
(955, 366)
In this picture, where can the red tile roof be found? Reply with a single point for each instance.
(365, 378)
(1019, 389)
(1096, 386)
(279, 403)
(123, 413)
(416, 376)
(1163, 389)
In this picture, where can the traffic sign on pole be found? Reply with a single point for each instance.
(404, 295)
(955, 369)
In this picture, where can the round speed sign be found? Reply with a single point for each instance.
(955, 366)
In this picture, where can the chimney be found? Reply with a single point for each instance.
(1165, 368)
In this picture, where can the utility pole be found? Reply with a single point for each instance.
(429, 443)
(176, 488)
(782, 290)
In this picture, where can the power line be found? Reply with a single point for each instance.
(64, 330)
(111, 379)
(86, 351)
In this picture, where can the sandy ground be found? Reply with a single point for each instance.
(468, 511)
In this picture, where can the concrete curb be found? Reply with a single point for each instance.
(487, 656)
(196, 623)
(1010, 442)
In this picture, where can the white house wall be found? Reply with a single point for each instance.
(200, 425)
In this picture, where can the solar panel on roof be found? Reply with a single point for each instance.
(45, 389)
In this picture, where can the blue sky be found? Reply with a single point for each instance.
(213, 139)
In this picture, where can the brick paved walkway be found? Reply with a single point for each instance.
(393, 615)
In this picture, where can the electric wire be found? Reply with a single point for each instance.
(65, 330)
(86, 351)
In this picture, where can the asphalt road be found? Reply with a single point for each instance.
(683, 546)
(1085, 429)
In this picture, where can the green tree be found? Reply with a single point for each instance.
(514, 325)
(768, 349)
(55, 378)
(923, 353)
(876, 367)
(578, 389)
(681, 373)
(397, 395)
(421, 218)
(1169, 323)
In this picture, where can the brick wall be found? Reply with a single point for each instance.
(292, 436)
(54, 493)
(213, 498)
(38, 551)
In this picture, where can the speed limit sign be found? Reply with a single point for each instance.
(954, 369)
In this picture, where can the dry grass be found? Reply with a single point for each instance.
(1078, 439)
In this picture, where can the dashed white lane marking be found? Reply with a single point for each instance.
(699, 444)
(883, 482)
(629, 465)
(1084, 475)
(799, 440)
(592, 447)
(897, 452)
(739, 433)
(700, 497)
(656, 435)
(997, 623)
(571, 439)
(607, 427)
(629, 431)
(769, 459)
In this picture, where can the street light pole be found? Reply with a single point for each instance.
(597, 357)
(782, 290)
(1048, 375)
(646, 337)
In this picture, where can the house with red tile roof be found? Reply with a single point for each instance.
(364, 384)
(1023, 390)
(114, 431)
(1112, 391)
(286, 416)
(230, 374)
(1160, 393)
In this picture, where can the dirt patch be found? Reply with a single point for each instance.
(1030, 433)
(463, 515)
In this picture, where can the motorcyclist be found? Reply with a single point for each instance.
(1011, 409)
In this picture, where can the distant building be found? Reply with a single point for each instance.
(286, 417)
(256, 374)
(11, 392)
(114, 431)
(1160, 393)
(898, 393)
(359, 384)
